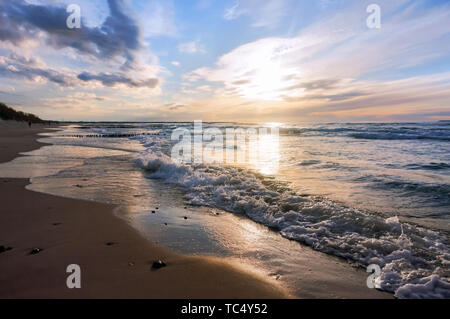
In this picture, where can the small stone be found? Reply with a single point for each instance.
(157, 207)
(4, 248)
(35, 251)
(79, 186)
(131, 264)
(153, 212)
(165, 224)
(110, 243)
(56, 224)
(158, 264)
(185, 217)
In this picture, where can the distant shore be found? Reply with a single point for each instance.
(115, 260)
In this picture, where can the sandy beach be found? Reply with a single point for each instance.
(74, 231)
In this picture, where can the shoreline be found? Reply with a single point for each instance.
(115, 260)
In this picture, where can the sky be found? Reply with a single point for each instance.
(236, 60)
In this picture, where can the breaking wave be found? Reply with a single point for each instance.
(414, 260)
(382, 131)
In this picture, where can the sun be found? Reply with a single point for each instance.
(270, 82)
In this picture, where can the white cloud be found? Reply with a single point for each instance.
(267, 13)
(204, 88)
(157, 18)
(191, 47)
(175, 63)
(233, 12)
(340, 48)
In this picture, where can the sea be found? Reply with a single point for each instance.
(365, 193)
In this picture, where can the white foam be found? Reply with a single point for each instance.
(427, 287)
(414, 261)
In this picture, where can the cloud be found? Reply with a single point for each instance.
(322, 84)
(118, 36)
(35, 70)
(77, 100)
(110, 80)
(86, 96)
(191, 47)
(32, 69)
(233, 12)
(329, 57)
(269, 13)
(175, 63)
(157, 18)
(173, 106)
(116, 42)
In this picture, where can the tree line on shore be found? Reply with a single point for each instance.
(8, 113)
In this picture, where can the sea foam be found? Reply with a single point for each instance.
(414, 261)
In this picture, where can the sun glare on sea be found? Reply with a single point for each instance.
(268, 154)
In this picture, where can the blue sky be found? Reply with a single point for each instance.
(238, 60)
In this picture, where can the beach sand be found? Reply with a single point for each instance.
(17, 137)
(78, 232)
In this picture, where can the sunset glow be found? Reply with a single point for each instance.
(280, 60)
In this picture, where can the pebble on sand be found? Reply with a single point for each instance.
(4, 248)
(158, 264)
(35, 251)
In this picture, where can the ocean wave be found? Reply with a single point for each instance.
(415, 261)
(430, 166)
(401, 136)
(438, 193)
(381, 131)
(309, 162)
